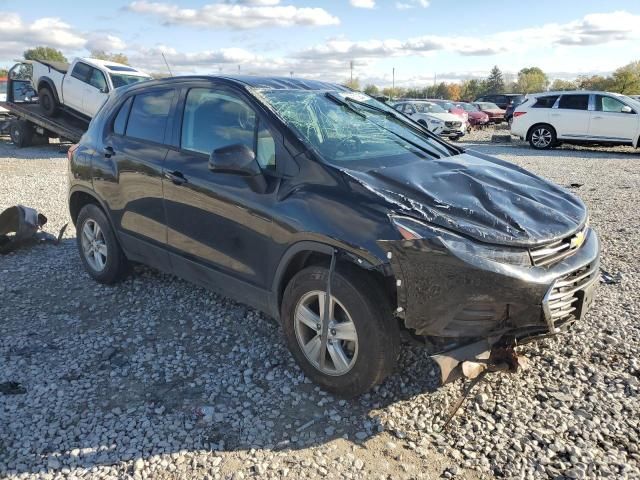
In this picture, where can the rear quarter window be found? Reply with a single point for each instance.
(120, 122)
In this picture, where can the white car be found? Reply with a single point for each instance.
(434, 117)
(548, 119)
(82, 86)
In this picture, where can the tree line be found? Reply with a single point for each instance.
(625, 80)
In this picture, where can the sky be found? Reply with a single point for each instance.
(423, 40)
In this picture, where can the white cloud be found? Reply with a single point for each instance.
(241, 15)
(105, 42)
(17, 35)
(407, 4)
(363, 3)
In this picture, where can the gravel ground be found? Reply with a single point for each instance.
(155, 378)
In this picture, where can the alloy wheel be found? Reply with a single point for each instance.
(94, 246)
(541, 137)
(338, 353)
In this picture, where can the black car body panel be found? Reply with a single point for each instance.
(242, 236)
(490, 200)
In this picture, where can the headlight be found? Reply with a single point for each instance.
(411, 229)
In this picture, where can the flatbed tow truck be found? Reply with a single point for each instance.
(28, 125)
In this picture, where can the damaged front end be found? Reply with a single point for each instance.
(472, 302)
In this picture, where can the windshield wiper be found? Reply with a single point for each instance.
(392, 115)
(345, 104)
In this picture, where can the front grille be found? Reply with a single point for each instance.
(560, 303)
(556, 251)
(453, 124)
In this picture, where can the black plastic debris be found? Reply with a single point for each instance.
(12, 388)
(21, 226)
(575, 185)
(610, 278)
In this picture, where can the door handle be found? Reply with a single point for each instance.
(555, 114)
(597, 118)
(176, 177)
(108, 151)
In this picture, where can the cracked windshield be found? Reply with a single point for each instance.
(343, 129)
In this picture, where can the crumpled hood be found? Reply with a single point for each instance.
(479, 196)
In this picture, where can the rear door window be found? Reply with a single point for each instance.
(81, 71)
(149, 115)
(545, 102)
(574, 102)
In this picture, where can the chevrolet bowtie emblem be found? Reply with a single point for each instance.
(578, 240)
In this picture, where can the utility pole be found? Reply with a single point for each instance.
(393, 82)
(291, 74)
(351, 66)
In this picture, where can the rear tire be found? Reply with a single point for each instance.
(365, 341)
(47, 102)
(99, 249)
(542, 137)
(21, 133)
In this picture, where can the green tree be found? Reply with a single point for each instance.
(595, 82)
(44, 53)
(495, 81)
(562, 85)
(471, 89)
(627, 79)
(372, 90)
(3, 72)
(442, 91)
(111, 57)
(532, 80)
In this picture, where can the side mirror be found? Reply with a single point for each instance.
(104, 90)
(237, 158)
(627, 109)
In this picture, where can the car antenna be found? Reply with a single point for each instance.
(166, 63)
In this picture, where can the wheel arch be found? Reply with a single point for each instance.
(306, 253)
(79, 197)
(540, 124)
(48, 83)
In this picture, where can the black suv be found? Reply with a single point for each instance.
(333, 213)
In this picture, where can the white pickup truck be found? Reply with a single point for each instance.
(82, 86)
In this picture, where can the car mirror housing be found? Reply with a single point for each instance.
(627, 109)
(237, 158)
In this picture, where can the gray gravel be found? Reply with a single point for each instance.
(155, 378)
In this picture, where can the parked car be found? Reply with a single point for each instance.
(548, 119)
(495, 113)
(423, 111)
(453, 108)
(477, 118)
(336, 215)
(502, 100)
(85, 88)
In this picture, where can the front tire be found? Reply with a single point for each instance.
(47, 102)
(542, 137)
(99, 250)
(362, 343)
